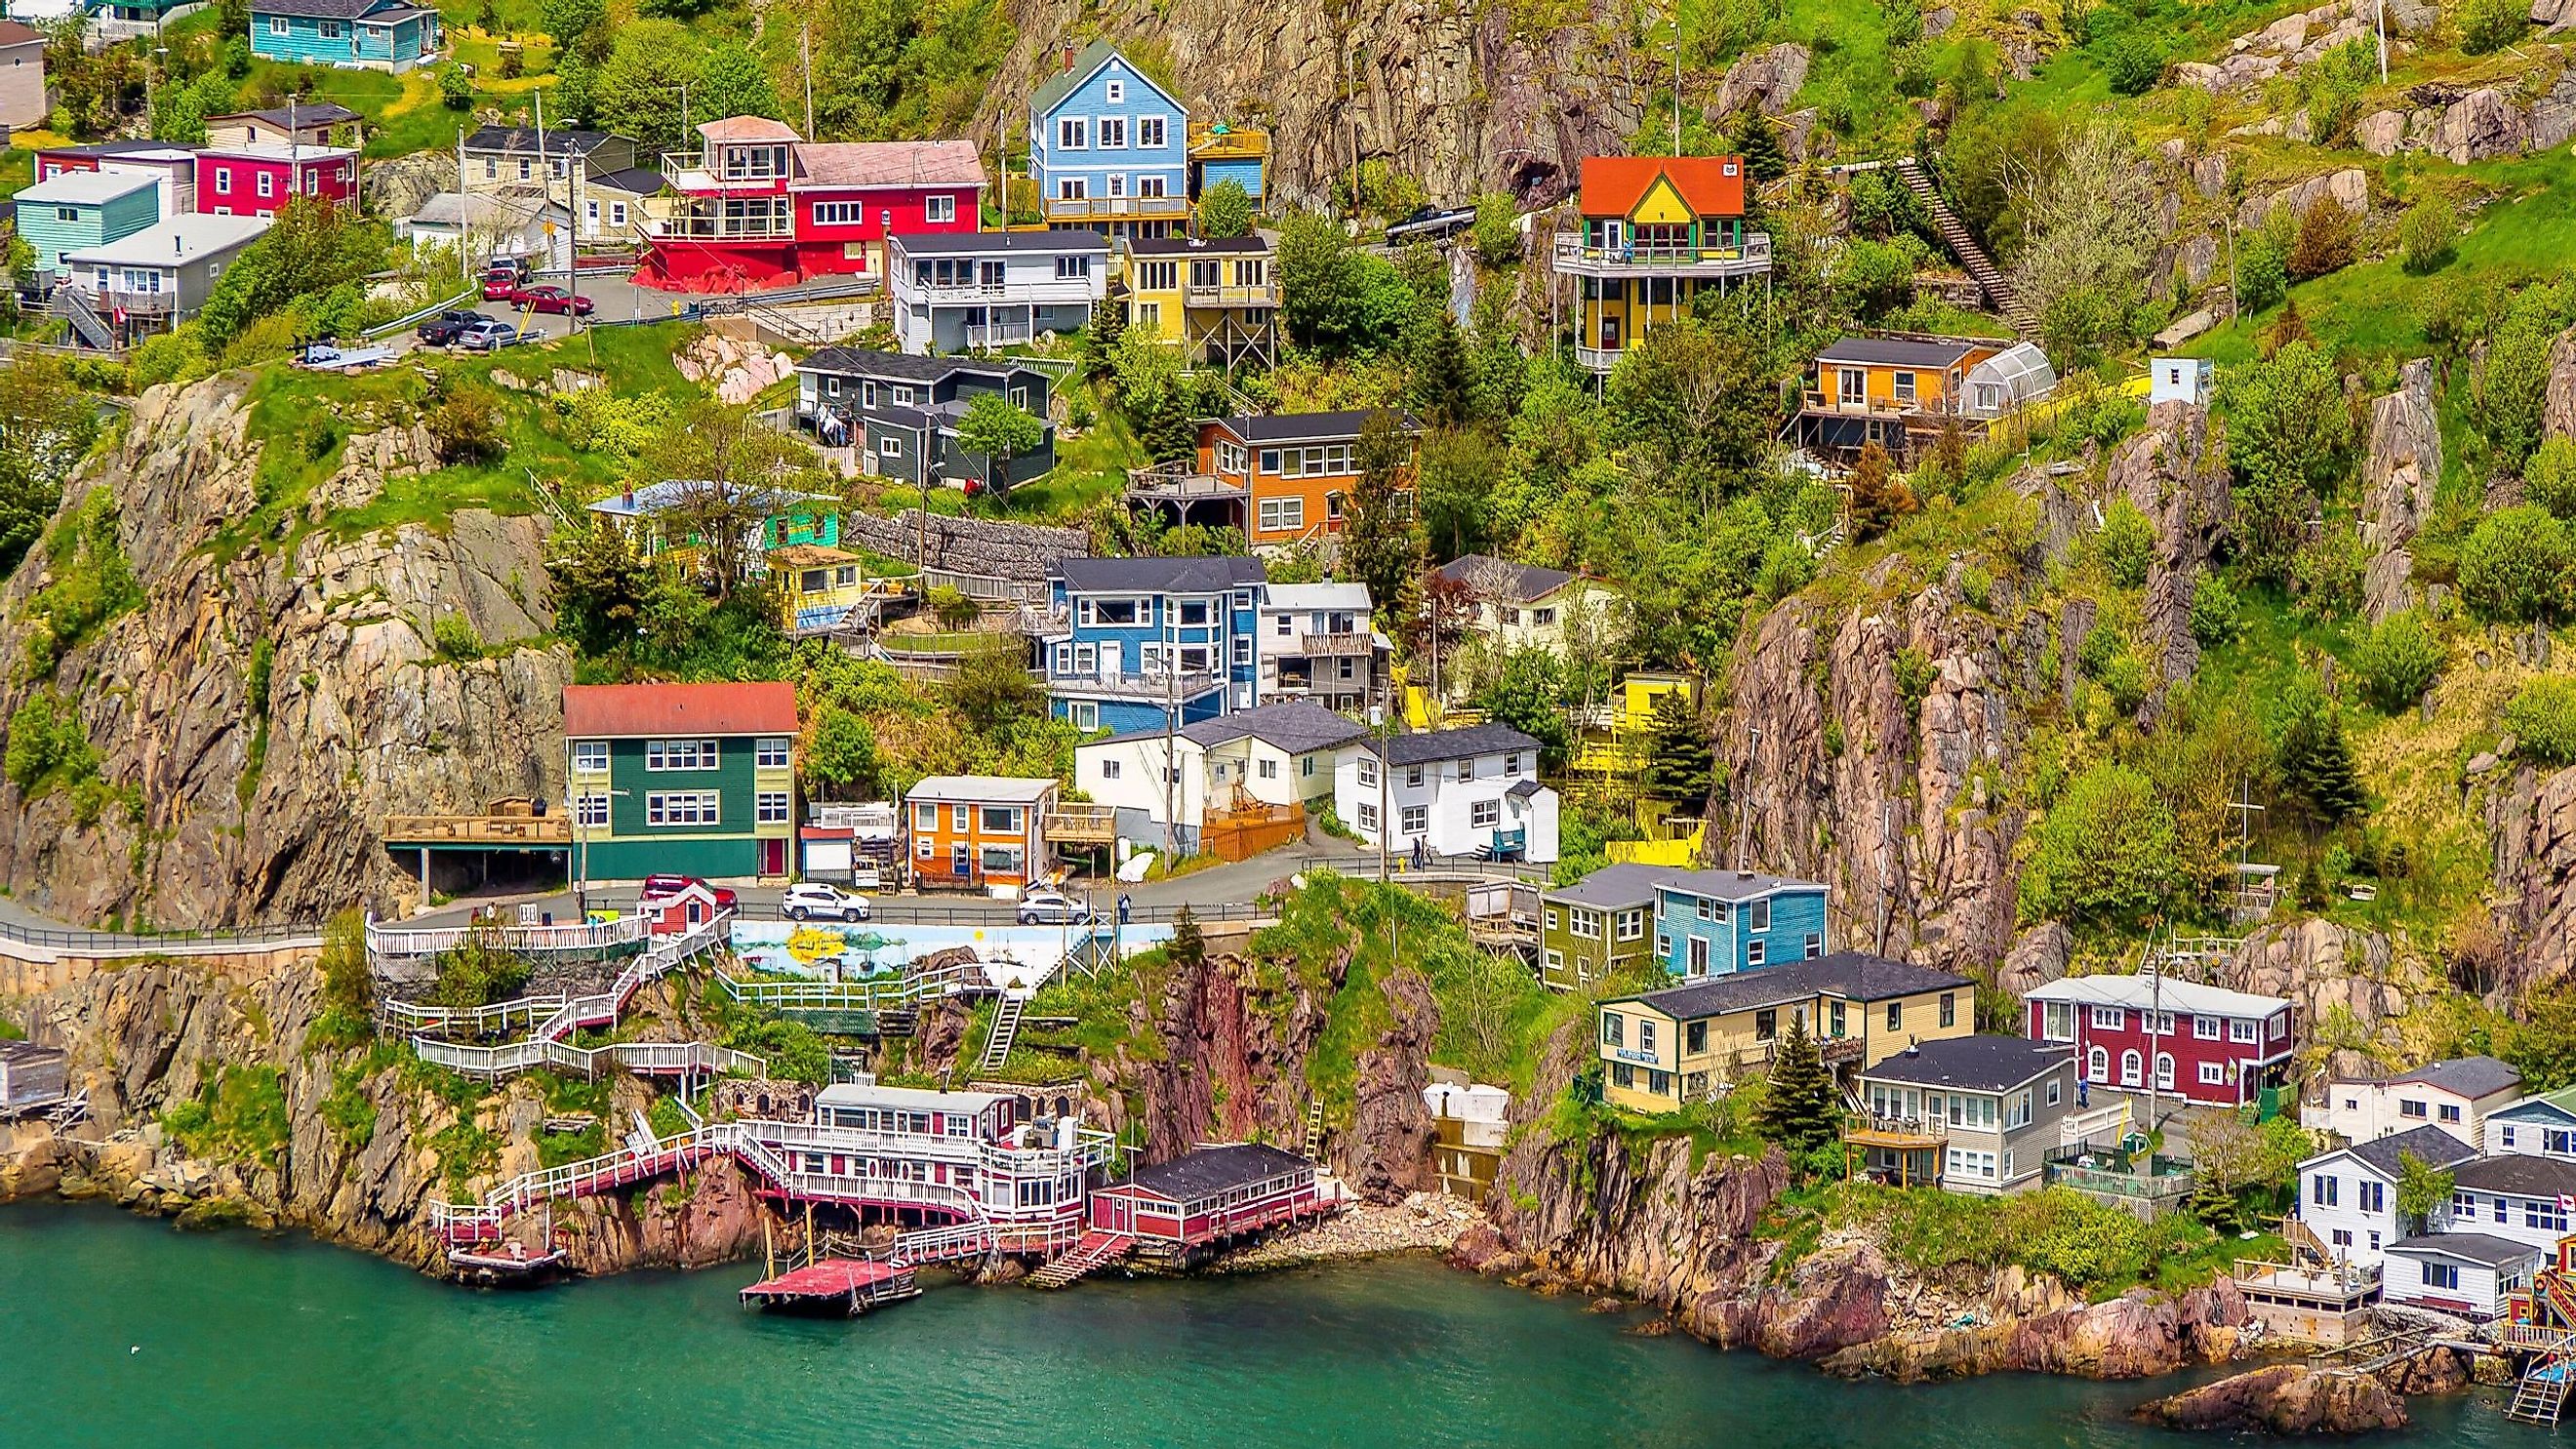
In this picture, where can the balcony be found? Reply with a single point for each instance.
(496, 832)
(1577, 258)
(1076, 824)
(1597, 359)
(1020, 292)
(1180, 482)
(1000, 334)
(1349, 642)
(673, 219)
(688, 172)
(132, 304)
(1117, 208)
(1040, 622)
(1898, 1134)
(1154, 688)
(1212, 295)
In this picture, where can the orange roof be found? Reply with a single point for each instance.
(1712, 185)
(592, 711)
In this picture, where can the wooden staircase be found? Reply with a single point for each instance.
(1006, 1028)
(1954, 234)
(74, 308)
(2541, 1396)
(1096, 1250)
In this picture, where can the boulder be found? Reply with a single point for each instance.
(2380, 133)
(2558, 398)
(2482, 124)
(2283, 1399)
(1766, 80)
(2553, 17)
(2348, 188)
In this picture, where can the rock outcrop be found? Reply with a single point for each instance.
(267, 809)
(2531, 824)
(2174, 472)
(2558, 398)
(2399, 471)
(2137, 1335)
(2474, 125)
(2283, 1399)
(1767, 80)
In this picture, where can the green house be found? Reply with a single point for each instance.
(1598, 926)
(681, 779)
(654, 515)
(82, 209)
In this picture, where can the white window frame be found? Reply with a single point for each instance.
(939, 210)
(771, 753)
(1072, 133)
(590, 757)
(770, 807)
(1485, 815)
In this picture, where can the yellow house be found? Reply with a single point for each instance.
(1612, 748)
(1656, 232)
(818, 587)
(1664, 1050)
(1216, 299)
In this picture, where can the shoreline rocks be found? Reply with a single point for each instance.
(2282, 1399)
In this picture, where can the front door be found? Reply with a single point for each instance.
(1698, 955)
(1109, 659)
(773, 857)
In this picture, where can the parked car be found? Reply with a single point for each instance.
(441, 330)
(817, 898)
(1045, 905)
(552, 299)
(656, 886)
(491, 334)
(503, 278)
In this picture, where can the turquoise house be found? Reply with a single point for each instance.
(663, 515)
(1719, 922)
(361, 34)
(82, 209)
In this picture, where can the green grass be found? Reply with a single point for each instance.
(1087, 469)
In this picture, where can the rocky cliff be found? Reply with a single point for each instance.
(266, 808)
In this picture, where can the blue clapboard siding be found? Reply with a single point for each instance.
(91, 224)
(306, 40)
(1245, 173)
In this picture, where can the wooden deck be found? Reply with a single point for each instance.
(502, 832)
(844, 1285)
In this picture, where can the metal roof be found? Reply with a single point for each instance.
(2140, 993)
(1291, 598)
(1848, 974)
(2478, 1248)
(1178, 246)
(174, 243)
(634, 180)
(1310, 427)
(1977, 1063)
(595, 711)
(910, 1099)
(87, 188)
(887, 163)
(1214, 1169)
(1158, 575)
(979, 789)
(1044, 243)
(558, 141)
(902, 366)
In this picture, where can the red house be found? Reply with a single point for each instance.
(1213, 1193)
(2205, 1044)
(257, 180)
(691, 905)
(760, 205)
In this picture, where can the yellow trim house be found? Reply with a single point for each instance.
(1218, 300)
(1656, 231)
(1663, 1050)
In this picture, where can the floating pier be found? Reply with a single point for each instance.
(835, 1285)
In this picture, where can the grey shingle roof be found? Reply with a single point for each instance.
(2471, 1077)
(1159, 575)
(300, 117)
(1296, 726)
(1612, 885)
(1310, 427)
(1730, 885)
(976, 243)
(1520, 581)
(900, 366)
(641, 180)
(1848, 974)
(1978, 1063)
(1896, 352)
(2512, 1172)
(317, 9)
(2432, 1144)
(558, 141)
(1214, 1169)
(1179, 246)
(1458, 744)
(2469, 1247)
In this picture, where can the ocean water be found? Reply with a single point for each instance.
(122, 1331)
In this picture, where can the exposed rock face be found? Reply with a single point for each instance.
(1767, 80)
(1391, 1131)
(2531, 823)
(2038, 958)
(1452, 95)
(2293, 41)
(1843, 784)
(2398, 474)
(2558, 403)
(2475, 125)
(2137, 1335)
(2174, 473)
(967, 545)
(363, 715)
(2283, 1399)
(2333, 973)
(396, 186)
(2554, 17)
(2348, 188)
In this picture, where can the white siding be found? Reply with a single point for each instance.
(2365, 1233)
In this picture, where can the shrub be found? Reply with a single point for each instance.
(455, 88)
(2398, 661)
(2106, 849)
(2549, 478)
(2217, 615)
(2490, 25)
(2262, 276)
(2542, 719)
(455, 638)
(2326, 575)
(2326, 240)
(2513, 566)
(47, 745)
(2126, 542)
(1497, 230)
(2133, 62)
(1225, 210)
(2426, 234)
(465, 426)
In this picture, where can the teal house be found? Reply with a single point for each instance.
(660, 516)
(352, 34)
(82, 209)
(681, 779)
(1719, 922)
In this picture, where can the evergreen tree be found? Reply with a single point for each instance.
(1759, 143)
(1380, 547)
(1443, 386)
(1800, 1112)
(1879, 495)
(1189, 945)
(2316, 763)
(1679, 763)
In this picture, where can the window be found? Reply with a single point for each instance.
(590, 757)
(1485, 814)
(277, 26)
(2164, 1071)
(2543, 1213)
(1368, 817)
(267, 184)
(223, 181)
(1542, 618)
(2415, 1109)
(1109, 769)
(2132, 1069)
(1467, 768)
(1071, 188)
(1904, 385)
(2373, 1197)
(2057, 1021)
(2441, 1275)
(1963, 1163)
(839, 213)
(1613, 1029)
(617, 214)
(2163, 1026)
(1646, 1037)
(1754, 955)
(1895, 1016)
(1413, 778)
(1000, 820)
(2508, 1138)
(1949, 1008)
(592, 811)
(939, 210)
(2241, 1031)
(769, 807)
(1270, 769)
(1766, 1023)
(2450, 1112)
(2109, 1018)
(2017, 1110)
(1324, 460)
(2324, 1190)
(1152, 131)
(1279, 515)
(1112, 133)
(681, 807)
(1072, 268)
(67, 213)
(1694, 1038)
(1622, 1075)
(1368, 774)
(957, 817)
(2097, 1065)
(1663, 945)
(1632, 925)
(2213, 1074)
(770, 753)
(1416, 819)
(1761, 911)
(2204, 1028)
(2052, 1091)
(1306, 765)
(1073, 133)
(679, 754)
(1511, 766)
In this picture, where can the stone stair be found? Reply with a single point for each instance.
(1954, 234)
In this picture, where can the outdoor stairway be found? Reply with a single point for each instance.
(1096, 1250)
(85, 322)
(1972, 257)
(1006, 1028)
(549, 1040)
(1315, 1130)
(2542, 1394)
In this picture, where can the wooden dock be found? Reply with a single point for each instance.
(835, 1285)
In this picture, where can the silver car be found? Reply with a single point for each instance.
(1045, 905)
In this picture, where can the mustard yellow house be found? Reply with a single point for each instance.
(1663, 1050)
(1656, 232)
(1216, 299)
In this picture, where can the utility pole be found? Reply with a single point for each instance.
(1744, 809)
(1677, 81)
(808, 51)
(1886, 842)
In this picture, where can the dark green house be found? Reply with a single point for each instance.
(1598, 926)
(682, 779)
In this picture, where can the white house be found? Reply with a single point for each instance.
(961, 291)
(508, 221)
(1522, 606)
(1317, 644)
(2348, 1197)
(1471, 791)
(2525, 1199)
(2454, 1095)
(2537, 1126)
(2466, 1274)
(1276, 754)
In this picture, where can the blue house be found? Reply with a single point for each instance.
(78, 210)
(1109, 149)
(1127, 643)
(353, 34)
(1718, 922)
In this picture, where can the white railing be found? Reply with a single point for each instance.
(396, 943)
(869, 995)
(1755, 253)
(999, 334)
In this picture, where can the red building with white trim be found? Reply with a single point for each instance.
(258, 180)
(1207, 1195)
(2205, 1044)
(758, 205)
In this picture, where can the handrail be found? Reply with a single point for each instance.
(473, 292)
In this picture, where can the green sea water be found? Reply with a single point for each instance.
(119, 1331)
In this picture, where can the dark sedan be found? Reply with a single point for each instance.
(441, 330)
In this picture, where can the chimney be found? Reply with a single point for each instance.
(1068, 56)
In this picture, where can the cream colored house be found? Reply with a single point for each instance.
(1277, 754)
(1663, 1050)
(1522, 606)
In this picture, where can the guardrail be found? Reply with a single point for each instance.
(149, 943)
(412, 941)
(472, 293)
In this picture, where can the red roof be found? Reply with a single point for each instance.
(595, 710)
(888, 163)
(1712, 185)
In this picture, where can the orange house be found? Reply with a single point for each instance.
(1281, 479)
(978, 832)
(1901, 392)
(1656, 232)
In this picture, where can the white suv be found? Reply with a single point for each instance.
(814, 898)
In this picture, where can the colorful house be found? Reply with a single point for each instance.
(977, 292)
(1596, 928)
(1165, 784)
(899, 414)
(2543, 1125)
(80, 209)
(657, 515)
(148, 283)
(301, 123)
(688, 779)
(258, 180)
(1470, 792)
(1281, 479)
(175, 167)
(1611, 751)
(1664, 1050)
(1211, 1195)
(1719, 922)
(23, 100)
(1216, 300)
(1135, 643)
(356, 34)
(1902, 393)
(1513, 606)
(2348, 1197)
(1972, 1114)
(2205, 1044)
(1108, 148)
(758, 204)
(1226, 151)
(1656, 232)
(978, 832)
(822, 588)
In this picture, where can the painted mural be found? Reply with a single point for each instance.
(832, 952)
